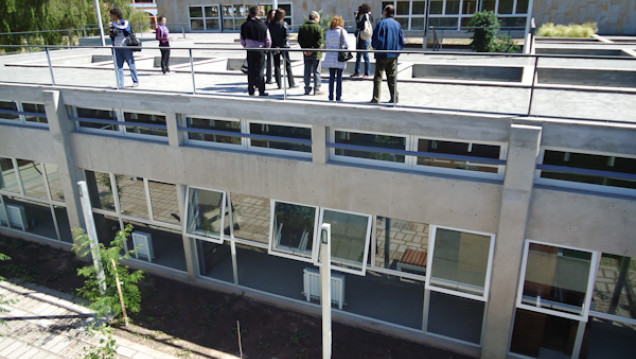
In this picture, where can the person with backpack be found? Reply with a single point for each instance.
(363, 33)
(163, 36)
(119, 29)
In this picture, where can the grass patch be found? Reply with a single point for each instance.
(588, 29)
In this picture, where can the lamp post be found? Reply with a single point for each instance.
(92, 234)
(99, 22)
(325, 284)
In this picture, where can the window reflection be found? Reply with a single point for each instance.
(100, 190)
(8, 178)
(32, 176)
(206, 213)
(163, 198)
(349, 234)
(132, 196)
(615, 278)
(250, 217)
(401, 245)
(55, 185)
(294, 227)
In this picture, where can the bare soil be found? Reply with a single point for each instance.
(175, 314)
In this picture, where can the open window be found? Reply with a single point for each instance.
(350, 235)
(206, 214)
(293, 230)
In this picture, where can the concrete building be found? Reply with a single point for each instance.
(491, 212)
(614, 17)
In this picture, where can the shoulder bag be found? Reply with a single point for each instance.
(344, 56)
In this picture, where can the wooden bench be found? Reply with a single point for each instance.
(413, 260)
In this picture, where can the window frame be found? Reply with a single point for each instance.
(22, 114)
(204, 18)
(220, 239)
(187, 130)
(290, 255)
(275, 151)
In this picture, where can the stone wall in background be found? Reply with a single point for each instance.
(614, 17)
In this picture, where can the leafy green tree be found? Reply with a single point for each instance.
(485, 26)
(3, 257)
(108, 303)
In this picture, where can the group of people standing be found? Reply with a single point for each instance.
(274, 33)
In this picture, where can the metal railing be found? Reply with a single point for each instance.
(533, 64)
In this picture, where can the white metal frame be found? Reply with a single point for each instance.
(268, 150)
(214, 239)
(580, 185)
(585, 309)
(337, 263)
(122, 119)
(373, 162)
(22, 118)
(204, 18)
(291, 254)
(241, 146)
(151, 211)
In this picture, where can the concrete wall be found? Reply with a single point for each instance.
(614, 17)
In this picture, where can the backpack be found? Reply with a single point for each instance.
(367, 31)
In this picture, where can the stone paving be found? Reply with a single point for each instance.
(42, 324)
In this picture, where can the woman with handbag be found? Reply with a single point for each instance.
(364, 30)
(279, 33)
(119, 29)
(335, 39)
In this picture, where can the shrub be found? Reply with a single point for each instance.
(587, 29)
(485, 26)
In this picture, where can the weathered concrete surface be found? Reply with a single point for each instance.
(612, 16)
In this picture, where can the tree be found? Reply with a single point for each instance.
(107, 304)
(485, 26)
(3, 257)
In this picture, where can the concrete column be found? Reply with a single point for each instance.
(318, 144)
(188, 243)
(174, 137)
(513, 216)
(61, 128)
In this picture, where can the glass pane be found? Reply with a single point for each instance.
(32, 175)
(195, 11)
(30, 216)
(437, 7)
(35, 108)
(455, 317)
(443, 22)
(282, 132)
(215, 260)
(402, 8)
(542, 335)
(212, 24)
(206, 213)
(63, 223)
(8, 178)
(55, 185)
(417, 23)
(556, 278)
(404, 22)
(163, 198)
(505, 6)
(508, 23)
(99, 189)
(460, 261)
(613, 289)
(149, 119)
(211, 11)
(452, 7)
(250, 217)
(401, 245)
(604, 336)
(349, 233)
(592, 162)
(469, 6)
(370, 140)
(294, 228)
(218, 125)
(196, 25)
(106, 227)
(158, 245)
(522, 7)
(488, 5)
(132, 196)
(97, 114)
(419, 8)
(8, 106)
(461, 149)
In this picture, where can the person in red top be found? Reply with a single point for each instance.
(163, 35)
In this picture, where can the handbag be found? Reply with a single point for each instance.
(244, 67)
(344, 56)
(132, 41)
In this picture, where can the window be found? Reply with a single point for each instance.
(250, 217)
(401, 245)
(145, 124)
(555, 280)
(449, 151)
(350, 235)
(32, 114)
(32, 176)
(204, 18)
(100, 190)
(590, 171)
(55, 185)
(132, 196)
(90, 118)
(205, 214)
(293, 230)
(163, 200)
(460, 261)
(280, 137)
(410, 14)
(380, 147)
(536, 334)
(213, 130)
(133, 124)
(8, 177)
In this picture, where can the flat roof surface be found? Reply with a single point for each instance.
(592, 88)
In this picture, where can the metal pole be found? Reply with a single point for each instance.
(48, 58)
(325, 284)
(99, 22)
(534, 78)
(395, 81)
(274, 4)
(284, 56)
(194, 86)
(527, 29)
(92, 233)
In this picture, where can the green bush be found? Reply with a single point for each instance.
(588, 29)
(485, 27)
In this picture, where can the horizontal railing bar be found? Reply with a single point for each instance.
(587, 172)
(246, 135)
(13, 112)
(418, 154)
(114, 122)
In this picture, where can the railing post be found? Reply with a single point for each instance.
(285, 57)
(84, 29)
(28, 44)
(194, 86)
(183, 32)
(69, 39)
(48, 58)
(534, 79)
(395, 82)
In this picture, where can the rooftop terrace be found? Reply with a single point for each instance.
(593, 80)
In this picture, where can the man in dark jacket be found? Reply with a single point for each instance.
(387, 35)
(255, 34)
(310, 36)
